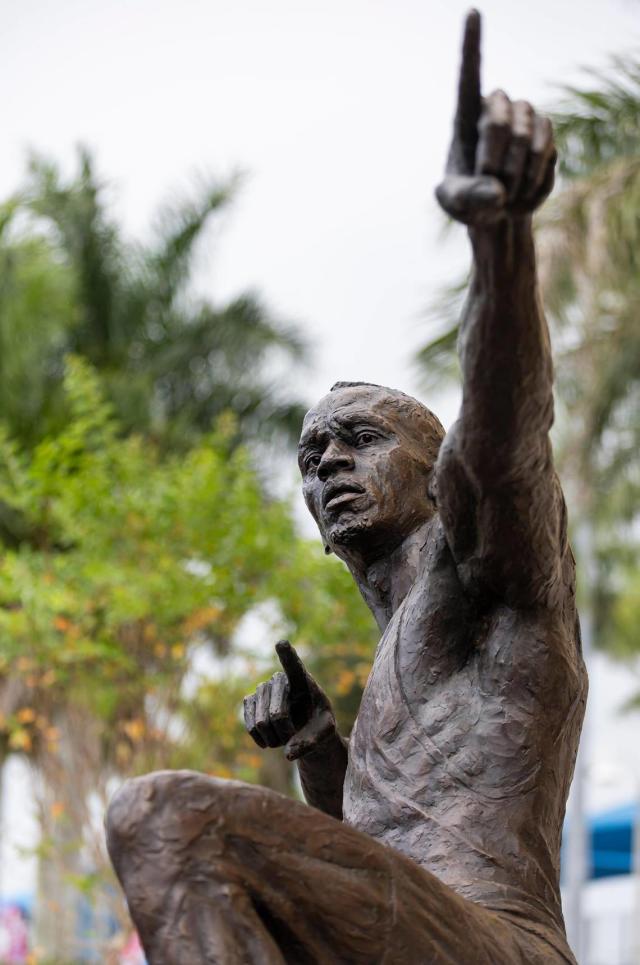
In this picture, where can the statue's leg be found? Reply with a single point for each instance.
(228, 873)
(187, 899)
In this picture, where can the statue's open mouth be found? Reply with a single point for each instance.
(335, 494)
(342, 498)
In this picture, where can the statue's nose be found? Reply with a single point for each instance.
(334, 457)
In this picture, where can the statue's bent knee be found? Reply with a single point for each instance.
(166, 806)
(128, 809)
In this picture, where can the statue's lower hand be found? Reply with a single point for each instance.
(502, 156)
(290, 709)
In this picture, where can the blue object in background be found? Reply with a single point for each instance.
(22, 901)
(610, 841)
(611, 834)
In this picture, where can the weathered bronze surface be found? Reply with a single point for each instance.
(434, 834)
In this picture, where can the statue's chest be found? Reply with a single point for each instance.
(431, 707)
(436, 627)
(430, 730)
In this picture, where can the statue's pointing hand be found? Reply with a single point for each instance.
(502, 157)
(290, 709)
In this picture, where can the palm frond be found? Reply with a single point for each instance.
(599, 123)
(76, 211)
(236, 336)
(437, 361)
(179, 226)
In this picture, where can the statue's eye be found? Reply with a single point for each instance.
(312, 460)
(365, 438)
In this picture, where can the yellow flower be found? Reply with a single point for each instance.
(134, 729)
(20, 740)
(27, 715)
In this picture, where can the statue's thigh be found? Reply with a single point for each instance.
(318, 890)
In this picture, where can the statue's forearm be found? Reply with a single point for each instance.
(507, 403)
(322, 774)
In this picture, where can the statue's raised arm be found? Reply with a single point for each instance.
(497, 492)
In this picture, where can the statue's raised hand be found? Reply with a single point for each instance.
(502, 157)
(290, 709)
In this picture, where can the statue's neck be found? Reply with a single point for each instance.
(385, 582)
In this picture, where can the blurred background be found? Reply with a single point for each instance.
(209, 212)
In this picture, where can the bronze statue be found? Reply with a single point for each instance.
(434, 834)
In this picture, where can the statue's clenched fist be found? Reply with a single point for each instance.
(502, 157)
(290, 709)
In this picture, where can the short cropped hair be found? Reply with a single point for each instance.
(423, 425)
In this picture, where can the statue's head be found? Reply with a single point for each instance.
(366, 455)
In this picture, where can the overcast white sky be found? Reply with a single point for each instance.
(339, 111)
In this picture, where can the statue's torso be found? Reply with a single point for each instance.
(463, 750)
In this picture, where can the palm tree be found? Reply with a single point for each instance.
(172, 362)
(589, 242)
(36, 308)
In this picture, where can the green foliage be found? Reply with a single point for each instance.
(622, 628)
(171, 362)
(437, 361)
(36, 308)
(599, 124)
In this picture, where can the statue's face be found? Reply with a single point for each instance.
(365, 479)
